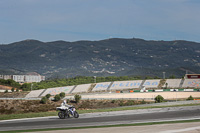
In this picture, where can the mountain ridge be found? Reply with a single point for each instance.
(114, 56)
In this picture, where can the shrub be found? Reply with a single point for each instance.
(113, 101)
(67, 100)
(190, 98)
(159, 99)
(77, 98)
(6, 91)
(143, 102)
(13, 89)
(57, 97)
(62, 94)
(48, 96)
(121, 103)
(17, 90)
(44, 100)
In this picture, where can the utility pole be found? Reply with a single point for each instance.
(163, 75)
(31, 86)
(95, 79)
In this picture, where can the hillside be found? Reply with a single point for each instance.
(100, 58)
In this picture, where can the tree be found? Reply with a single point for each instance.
(57, 97)
(44, 100)
(190, 98)
(26, 87)
(62, 94)
(48, 96)
(172, 77)
(166, 84)
(13, 89)
(77, 98)
(159, 99)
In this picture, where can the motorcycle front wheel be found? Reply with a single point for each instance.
(76, 115)
(61, 115)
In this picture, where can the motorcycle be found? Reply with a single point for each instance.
(67, 111)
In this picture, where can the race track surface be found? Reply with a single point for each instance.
(105, 118)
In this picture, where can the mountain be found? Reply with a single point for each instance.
(108, 57)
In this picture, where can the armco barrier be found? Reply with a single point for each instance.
(173, 89)
(159, 90)
(188, 89)
(166, 89)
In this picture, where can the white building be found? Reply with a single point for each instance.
(24, 78)
(33, 78)
(18, 78)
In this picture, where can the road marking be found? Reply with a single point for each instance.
(181, 130)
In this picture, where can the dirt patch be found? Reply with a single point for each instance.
(25, 106)
(28, 106)
(13, 94)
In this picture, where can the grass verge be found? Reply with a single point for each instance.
(45, 114)
(105, 126)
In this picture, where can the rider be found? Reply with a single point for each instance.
(64, 103)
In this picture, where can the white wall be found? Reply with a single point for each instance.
(58, 90)
(151, 83)
(172, 83)
(81, 88)
(120, 85)
(191, 83)
(101, 86)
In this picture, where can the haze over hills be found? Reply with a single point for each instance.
(108, 57)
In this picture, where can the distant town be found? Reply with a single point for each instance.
(24, 78)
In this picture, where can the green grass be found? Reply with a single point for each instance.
(44, 114)
(27, 115)
(104, 126)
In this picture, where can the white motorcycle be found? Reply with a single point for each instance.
(67, 111)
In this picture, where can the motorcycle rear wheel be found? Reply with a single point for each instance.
(61, 115)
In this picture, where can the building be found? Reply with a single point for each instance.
(24, 78)
(192, 76)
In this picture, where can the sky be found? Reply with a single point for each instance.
(75, 20)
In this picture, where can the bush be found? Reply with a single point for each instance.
(77, 98)
(121, 103)
(6, 91)
(13, 89)
(67, 100)
(190, 98)
(57, 97)
(17, 90)
(44, 100)
(62, 94)
(143, 102)
(159, 99)
(113, 101)
(48, 96)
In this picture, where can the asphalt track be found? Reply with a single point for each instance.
(105, 118)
